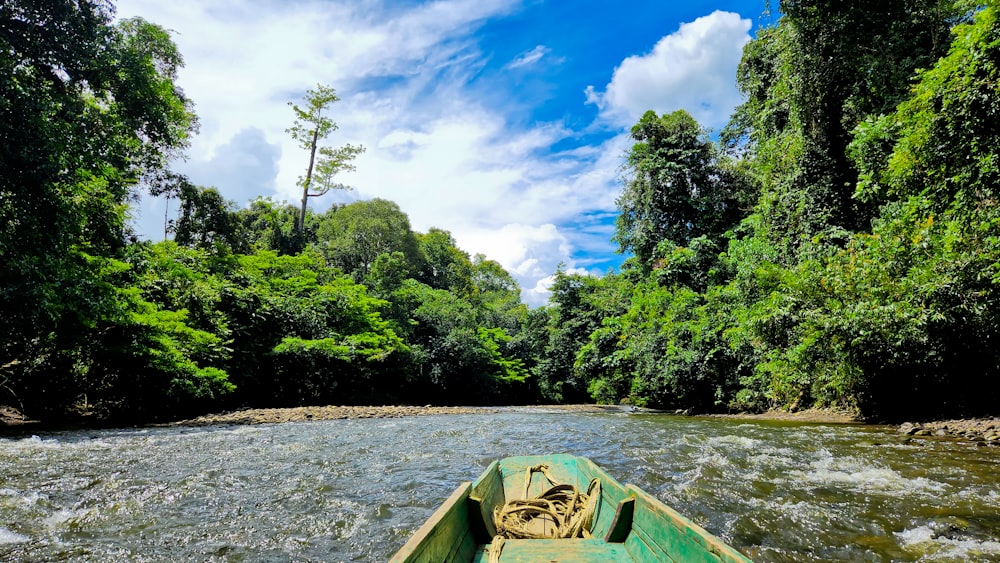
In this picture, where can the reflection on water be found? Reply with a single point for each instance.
(354, 490)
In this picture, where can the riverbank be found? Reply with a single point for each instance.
(299, 414)
(823, 416)
(13, 419)
(985, 431)
(302, 414)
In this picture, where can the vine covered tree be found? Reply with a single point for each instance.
(311, 126)
(677, 188)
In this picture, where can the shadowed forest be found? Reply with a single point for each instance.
(836, 245)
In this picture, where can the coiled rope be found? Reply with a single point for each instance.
(562, 511)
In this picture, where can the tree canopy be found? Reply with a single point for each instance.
(859, 256)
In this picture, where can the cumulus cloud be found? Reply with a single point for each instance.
(241, 169)
(690, 69)
(500, 192)
(403, 71)
(528, 252)
(245, 59)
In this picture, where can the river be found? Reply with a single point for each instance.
(353, 490)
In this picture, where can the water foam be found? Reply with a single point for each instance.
(7, 536)
(933, 547)
(860, 475)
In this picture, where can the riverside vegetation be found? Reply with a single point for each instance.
(837, 245)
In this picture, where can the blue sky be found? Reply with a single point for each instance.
(501, 121)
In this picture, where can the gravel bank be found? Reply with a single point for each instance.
(823, 416)
(984, 431)
(299, 414)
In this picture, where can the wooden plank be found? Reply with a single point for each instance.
(443, 535)
(487, 492)
(612, 492)
(464, 549)
(622, 523)
(644, 549)
(577, 550)
(663, 528)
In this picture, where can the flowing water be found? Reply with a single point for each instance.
(353, 490)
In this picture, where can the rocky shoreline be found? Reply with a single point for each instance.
(982, 431)
(12, 421)
(302, 414)
(821, 416)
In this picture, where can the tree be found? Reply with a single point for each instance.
(353, 236)
(809, 80)
(576, 311)
(924, 286)
(443, 264)
(310, 127)
(207, 220)
(269, 225)
(676, 187)
(88, 110)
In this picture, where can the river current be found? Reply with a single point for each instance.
(354, 490)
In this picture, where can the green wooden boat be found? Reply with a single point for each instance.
(623, 523)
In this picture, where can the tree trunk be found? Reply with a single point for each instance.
(306, 184)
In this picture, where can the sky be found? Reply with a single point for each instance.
(503, 122)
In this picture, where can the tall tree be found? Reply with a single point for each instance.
(809, 80)
(312, 126)
(88, 109)
(676, 188)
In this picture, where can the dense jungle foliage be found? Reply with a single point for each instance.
(836, 247)
(837, 244)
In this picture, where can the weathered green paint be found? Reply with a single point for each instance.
(629, 525)
(445, 536)
(669, 536)
(564, 550)
(487, 492)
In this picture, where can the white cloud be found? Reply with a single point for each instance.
(529, 58)
(690, 69)
(528, 252)
(499, 192)
(432, 146)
